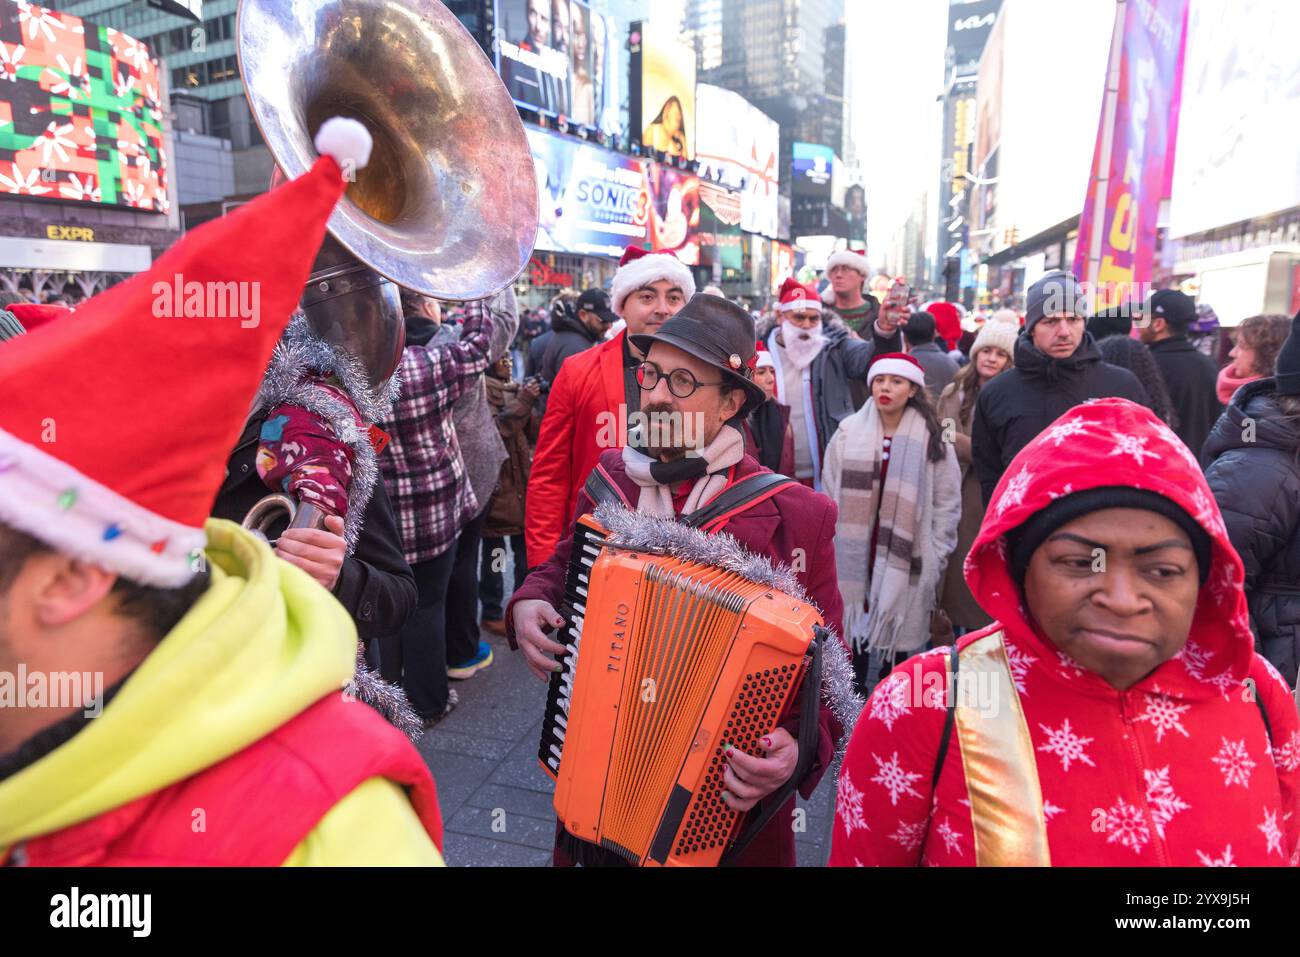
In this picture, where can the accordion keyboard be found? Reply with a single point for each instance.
(667, 662)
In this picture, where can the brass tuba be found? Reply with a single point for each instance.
(447, 205)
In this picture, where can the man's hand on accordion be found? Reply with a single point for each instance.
(531, 617)
(749, 779)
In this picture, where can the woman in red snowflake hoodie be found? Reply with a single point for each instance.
(1115, 713)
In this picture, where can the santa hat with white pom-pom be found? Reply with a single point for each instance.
(118, 419)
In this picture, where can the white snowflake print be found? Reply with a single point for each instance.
(951, 837)
(1014, 493)
(1070, 665)
(1019, 661)
(1287, 757)
(848, 804)
(909, 835)
(894, 778)
(1134, 445)
(1222, 583)
(1050, 810)
(1194, 659)
(1207, 513)
(1272, 833)
(1125, 824)
(1066, 745)
(889, 701)
(1224, 681)
(1068, 490)
(1162, 799)
(1165, 715)
(1223, 861)
(1178, 445)
(1065, 430)
(1235, 763)
(1277, 677)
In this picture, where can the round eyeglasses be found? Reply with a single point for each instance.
(681, 382)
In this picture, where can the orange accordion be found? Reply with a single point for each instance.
(668, 661)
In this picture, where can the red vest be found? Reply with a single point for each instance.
(257, 805)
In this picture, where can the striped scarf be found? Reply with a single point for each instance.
(898, 619)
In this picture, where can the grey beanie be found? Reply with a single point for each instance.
(1057, 292)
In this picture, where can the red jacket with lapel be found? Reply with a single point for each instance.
(582, 420)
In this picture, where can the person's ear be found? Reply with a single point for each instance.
(64, 589)
(912, 390)
(732, 404)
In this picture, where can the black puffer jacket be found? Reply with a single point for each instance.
(569, 338)
(1022, 402)
(1254, 473)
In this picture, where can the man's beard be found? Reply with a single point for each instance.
(802, 345)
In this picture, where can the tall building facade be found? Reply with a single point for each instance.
(784, 56)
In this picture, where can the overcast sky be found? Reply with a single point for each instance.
(896, 52)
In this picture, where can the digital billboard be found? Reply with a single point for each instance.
(80, 120)
(1238, 138)
(560, 58)
(814, 168)
(595, 202)
(667, 91)
(742, 144)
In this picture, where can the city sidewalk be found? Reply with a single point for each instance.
(495, 798)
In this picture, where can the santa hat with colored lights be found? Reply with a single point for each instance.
(118, 419)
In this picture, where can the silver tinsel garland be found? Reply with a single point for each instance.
(299, 354)
(629, 529)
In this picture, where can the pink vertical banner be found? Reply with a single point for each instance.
(1132, 165)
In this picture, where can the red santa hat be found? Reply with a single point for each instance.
(639, 268)
(762, 358)
(899, 364)
(118, 420)
(947, 320)
(795, 296)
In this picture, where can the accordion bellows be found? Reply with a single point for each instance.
(668, 662)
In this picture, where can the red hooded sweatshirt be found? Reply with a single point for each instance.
(1179, 770)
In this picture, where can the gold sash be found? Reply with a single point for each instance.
(1001, 768)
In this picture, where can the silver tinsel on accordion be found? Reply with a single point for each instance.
(301, 352)
(629, 529)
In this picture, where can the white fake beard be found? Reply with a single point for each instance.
(802, 345)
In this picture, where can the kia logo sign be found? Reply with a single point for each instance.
(975, 22)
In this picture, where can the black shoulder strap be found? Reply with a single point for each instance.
(954, 662)
(738, 496)
(600, 489)
(1263, 713)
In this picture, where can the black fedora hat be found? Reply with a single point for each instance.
(716, 331)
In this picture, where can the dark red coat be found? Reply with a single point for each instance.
(796, 522)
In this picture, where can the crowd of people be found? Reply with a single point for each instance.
(1097, 528)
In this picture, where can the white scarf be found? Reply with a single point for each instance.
(708, 467)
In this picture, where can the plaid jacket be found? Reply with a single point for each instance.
(422, 467)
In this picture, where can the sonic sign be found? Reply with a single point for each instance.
(80, 115)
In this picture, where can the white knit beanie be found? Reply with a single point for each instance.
(999, 335)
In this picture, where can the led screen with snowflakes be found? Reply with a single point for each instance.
(79, 112)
